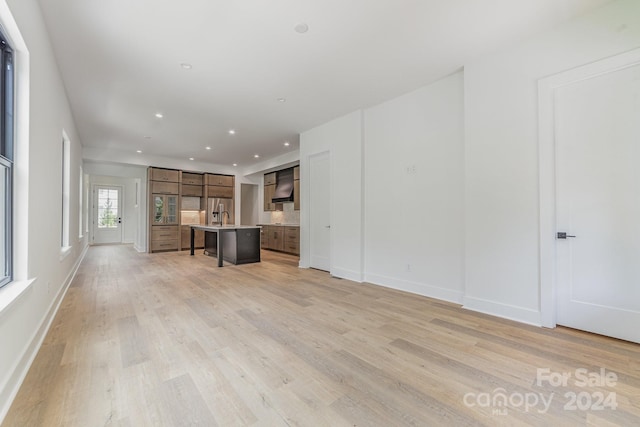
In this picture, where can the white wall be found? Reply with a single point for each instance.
(396, 191)
(38, 199)
(250, 204)
(501, 154)
(466, 221)
(414, 191)
(343, 139)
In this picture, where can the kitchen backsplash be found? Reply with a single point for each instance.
(286, 216)
(189, 217)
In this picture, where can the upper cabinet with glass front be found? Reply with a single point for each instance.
(165, 209)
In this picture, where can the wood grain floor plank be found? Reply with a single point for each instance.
(183, 404)
(172, 340)
(134, 348)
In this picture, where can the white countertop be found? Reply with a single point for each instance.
(223, 227)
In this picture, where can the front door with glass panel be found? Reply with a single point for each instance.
(107, 214)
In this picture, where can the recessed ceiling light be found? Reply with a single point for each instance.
(159, 115)
(191, 158)
(256, 156)
(232, 132)
(186, 66)
(207, 148)
(235, 164)
(147, 137)
(282, 99)
(138, 151)
(301, 28)
(286, 143)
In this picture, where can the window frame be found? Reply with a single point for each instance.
(65, 241)
(7, 126)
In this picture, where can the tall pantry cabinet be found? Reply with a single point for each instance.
(164, 209)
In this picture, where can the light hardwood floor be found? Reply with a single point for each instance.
(172, 340)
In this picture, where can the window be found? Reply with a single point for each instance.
(80, 203)
(6, 160)
(66, 178)
(108, 208)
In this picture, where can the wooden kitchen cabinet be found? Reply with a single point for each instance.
(276, 238)
(160, 187)
(292, 240)
(264, 237)
(219, 186)
(165, 232)
(296, 195)
(220, 192)
(191, 190)
(219, 180)
(167, 175)
(192, 178)
(165, 188)
(164, 209)
(164, 238)
(296, 188)
(269, 191)
(281, 238)
(270, 178)
(185, 238)
(164, 245)
(191, 185)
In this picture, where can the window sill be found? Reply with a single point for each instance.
(11, 292)
(64, 252)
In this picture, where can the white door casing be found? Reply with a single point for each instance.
(320, 211)
(107, 214)
(589, 149)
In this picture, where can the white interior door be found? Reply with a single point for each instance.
(598, 201)
(107, 214)
(320, 212)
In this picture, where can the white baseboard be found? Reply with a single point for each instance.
(21, 368)
(416, 288)
(344, 273)
(506, 311)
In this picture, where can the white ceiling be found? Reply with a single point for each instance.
(121, 63)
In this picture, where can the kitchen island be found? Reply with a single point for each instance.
(237, 244)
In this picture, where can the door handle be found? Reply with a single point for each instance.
(563, 235)
(327, 226)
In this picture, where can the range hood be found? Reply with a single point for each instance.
(284, 186)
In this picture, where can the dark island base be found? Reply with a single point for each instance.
(240, 246)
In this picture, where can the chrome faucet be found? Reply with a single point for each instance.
(221, 213)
